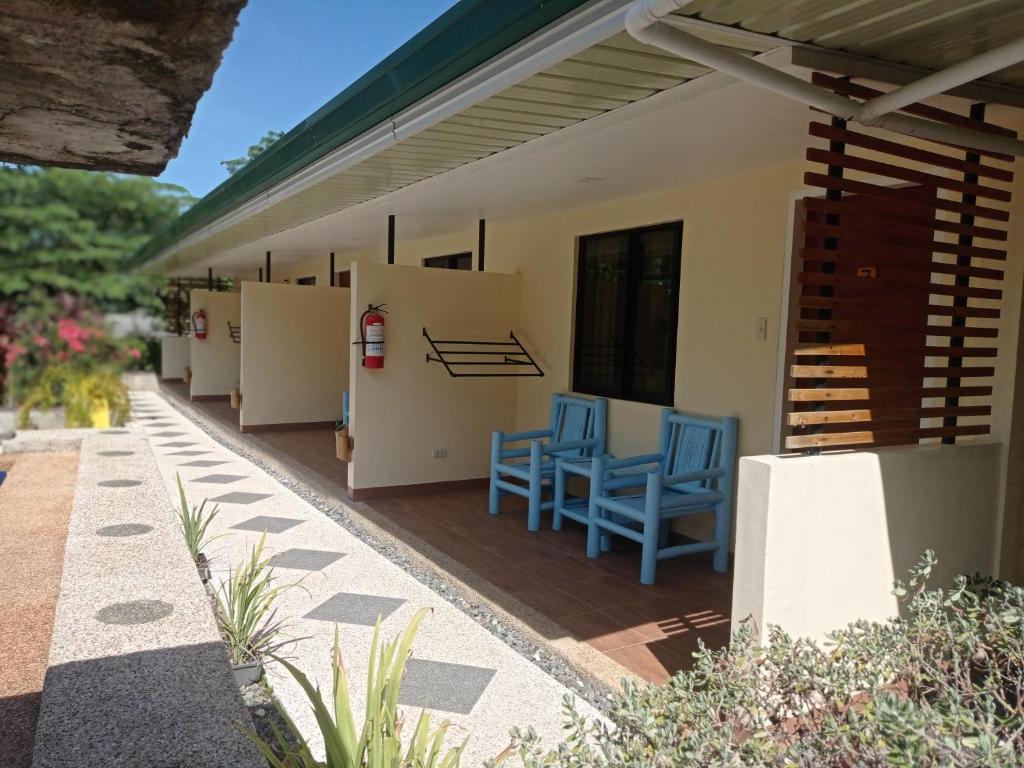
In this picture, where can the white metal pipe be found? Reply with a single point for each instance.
(643, 21)
(956, 75)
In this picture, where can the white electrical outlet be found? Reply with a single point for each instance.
(439, 453)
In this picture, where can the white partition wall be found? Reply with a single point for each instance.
(215, 359)
(404, 414)
(295, 354)
(174, 351)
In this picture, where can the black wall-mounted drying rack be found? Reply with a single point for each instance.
(456, 354)
(236, 332)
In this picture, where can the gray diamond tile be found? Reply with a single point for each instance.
(220, 479)
(187, 453)
(167, 434)
(305, 559)
(443, 686)
(159, 424)
(352, 608)
(266, 523)
(201, 463)
(178, 444)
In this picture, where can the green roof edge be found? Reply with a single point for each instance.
(467, 35)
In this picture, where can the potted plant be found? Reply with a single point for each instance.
(247, 617)
(193, 523)
(353, 745)
(236, 396)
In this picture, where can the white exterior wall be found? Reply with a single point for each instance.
(216, 359)
(174, 357)
(295, 353)
(822, 538)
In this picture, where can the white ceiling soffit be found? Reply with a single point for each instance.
(721, 128)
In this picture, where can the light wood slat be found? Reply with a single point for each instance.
(860, 350)
(888, 330)
(888, 243)
(837, 439)
(904, 218)
(939, 310)
(896, 149)
(812, 418)
(853, 394)
(937, 289)
(891, 171)
(911, 368)
(850, 186)
(847, 88)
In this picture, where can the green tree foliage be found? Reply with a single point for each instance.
(72, 231)
(65, 239)
(238, 163)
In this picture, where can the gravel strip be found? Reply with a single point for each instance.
(591, 690)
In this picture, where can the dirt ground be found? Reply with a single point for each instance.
(35, 506)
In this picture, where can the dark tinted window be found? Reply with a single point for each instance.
(627, 309)
(451, 261)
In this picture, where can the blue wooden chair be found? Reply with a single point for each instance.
(692, 473)
(577, 431)
(344, 407)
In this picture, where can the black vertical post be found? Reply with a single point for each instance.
(261, 274)
(209, 279)
(962, 281)
(480, 243)
(268, 266)
(391, 239)
(332, 269)
(177, 307)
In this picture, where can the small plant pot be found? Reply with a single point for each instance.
(236, 398)
(247, 674)
(203, 566)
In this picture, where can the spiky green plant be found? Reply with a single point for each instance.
(245, 609)
(378, 744)
(193, 523)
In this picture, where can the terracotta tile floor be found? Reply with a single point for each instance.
(652, 631)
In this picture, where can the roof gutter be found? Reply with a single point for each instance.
(649, 22)
(569, 35)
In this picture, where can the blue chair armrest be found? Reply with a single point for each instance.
(534, 434)
(633, 461)
(568, 445)
(692, 477)
(580, 466)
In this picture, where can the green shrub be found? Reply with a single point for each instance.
(943, 686)
(78, 392)
(245, 609)
(379, 741)
(193, 522)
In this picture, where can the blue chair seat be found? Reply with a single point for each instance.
(577, 431)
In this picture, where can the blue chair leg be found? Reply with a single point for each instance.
(722, 513)
(664, 529)
(533, 512)
(606, 538)
(495, 492)
(594, 533)
(559, 501)
(652, 521)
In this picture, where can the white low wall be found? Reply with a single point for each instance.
(215, 360)
(174, 356)
(820, 539)
(400, 414)
(295, 353)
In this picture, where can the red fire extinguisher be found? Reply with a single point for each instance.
(371, 332)
(199, 323)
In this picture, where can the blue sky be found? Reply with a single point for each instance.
(287, 58)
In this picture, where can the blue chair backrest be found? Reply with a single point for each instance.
(578, 418)
(693, 443)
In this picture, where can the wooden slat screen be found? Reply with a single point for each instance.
(900, 264)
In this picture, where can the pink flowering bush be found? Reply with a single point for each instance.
(60, 332)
